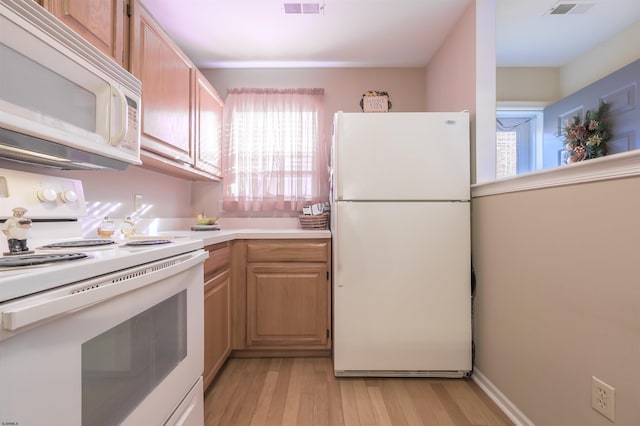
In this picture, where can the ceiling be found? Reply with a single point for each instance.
(379, 33)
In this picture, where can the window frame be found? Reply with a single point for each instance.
(247, 161)
(535, 152)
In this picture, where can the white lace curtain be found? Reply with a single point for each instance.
(275, 157)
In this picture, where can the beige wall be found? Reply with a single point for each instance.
(462, 76)
(450, 76)
(528, 84)
(558, 298)
(557, 294)
(343, 86)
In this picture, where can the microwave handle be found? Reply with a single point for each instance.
(123, 111)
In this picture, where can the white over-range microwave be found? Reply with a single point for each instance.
(63, 103)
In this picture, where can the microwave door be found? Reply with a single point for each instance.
(56, 87)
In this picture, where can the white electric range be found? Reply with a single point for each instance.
(48, 268)
(109, 334)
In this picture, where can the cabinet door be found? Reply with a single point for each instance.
(167, 78)
(287, 305)
(217, 324)
(208, 127)
(101, 22)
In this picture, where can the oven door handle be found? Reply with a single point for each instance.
(97, 290)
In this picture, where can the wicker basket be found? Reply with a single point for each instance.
(309, 222)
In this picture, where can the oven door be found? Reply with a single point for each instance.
(123, 348)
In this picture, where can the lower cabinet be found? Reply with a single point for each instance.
(282, 297)
(287, 305)
(266, 298)
(217, 310)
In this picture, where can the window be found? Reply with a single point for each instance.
(506, 152)
(275, 156)
(518, 141)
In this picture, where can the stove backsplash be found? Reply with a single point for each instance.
(164, 200)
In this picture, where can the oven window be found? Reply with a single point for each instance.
(123, 365)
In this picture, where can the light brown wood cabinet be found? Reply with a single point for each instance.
(181, 124)
(287, 305)
(217, 310)
(101, 22)
(167, 77)
(208, 122)
(286, 293)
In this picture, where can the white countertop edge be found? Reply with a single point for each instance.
(221, 236)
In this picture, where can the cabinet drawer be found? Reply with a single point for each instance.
(287, 251)
(219, 258)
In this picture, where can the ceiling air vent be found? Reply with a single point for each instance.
(303, 8)
(570, 8)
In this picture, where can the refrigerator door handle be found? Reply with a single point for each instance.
(337, 187)
(337, 275)
(335, 174)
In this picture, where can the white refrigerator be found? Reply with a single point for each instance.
(400, 223)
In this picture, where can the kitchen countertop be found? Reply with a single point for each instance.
(214, 237)
(231, 229)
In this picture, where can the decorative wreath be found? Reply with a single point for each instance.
(585, 139)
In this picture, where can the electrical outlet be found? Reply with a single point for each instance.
(603, 398)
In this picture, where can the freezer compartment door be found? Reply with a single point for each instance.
(401, 156)
(402, 297)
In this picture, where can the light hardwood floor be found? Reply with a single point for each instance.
(304, 392)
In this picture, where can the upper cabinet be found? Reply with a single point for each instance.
(167, 78)
(208, 123)
(101, 22)
(181, 112)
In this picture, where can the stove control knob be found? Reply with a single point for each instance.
(68, 196)
(47, 194)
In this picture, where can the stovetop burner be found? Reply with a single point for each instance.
(38, 259)
(146, 242)
(79, 243)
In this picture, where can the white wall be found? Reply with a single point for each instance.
(168, 197)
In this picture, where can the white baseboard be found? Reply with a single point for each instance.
(507, 407)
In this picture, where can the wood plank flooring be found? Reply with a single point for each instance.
(304, 392)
